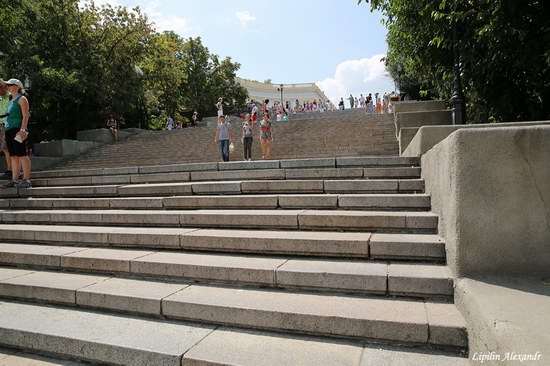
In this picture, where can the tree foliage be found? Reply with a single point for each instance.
(504, 53)
(86, 62)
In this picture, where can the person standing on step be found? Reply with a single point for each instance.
(356, 103)
(266, 136)
(341, 104)
(351, 100)
(219, 106)
(169, 123)
(254, 114)
(248, 129)
(17, 133)
(378, 103)
(194, 118)
(4, 104)
(223, 136)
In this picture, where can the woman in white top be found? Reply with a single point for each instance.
(219, 106)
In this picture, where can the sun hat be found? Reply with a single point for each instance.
(15, 82)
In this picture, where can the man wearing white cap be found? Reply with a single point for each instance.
(17, 133)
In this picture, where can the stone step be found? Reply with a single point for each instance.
(308, 243)
(225, 187)
(324, 201)
(369, 318)
(220, 346)
(354, 276)
(419, 222)
(340, 162)
(249, 174)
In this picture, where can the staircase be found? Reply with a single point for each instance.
(325, 261)
(342, 133)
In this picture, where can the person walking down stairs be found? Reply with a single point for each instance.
(247, 129)
(223, 136)
(4, 104)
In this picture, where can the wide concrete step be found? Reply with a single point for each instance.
(306, 243)
(373, 277)
(339, 162)
(370, 318)
(252, 201)
(14, 357)
(77, 334)
(225, 187)
(420, 222)
(248, 174)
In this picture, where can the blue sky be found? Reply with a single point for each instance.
(335, 43)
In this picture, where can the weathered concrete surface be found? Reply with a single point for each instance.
(407, 246)
(112, 339)
(406, 135)
(229, 346)
(101, 135)
(63, 147)
(490, 189)
(333, 315)
(428, 136)
(418, 106)
(505, 315)
(34, 255)
(11, 357)
(424, 118)
(393, 356)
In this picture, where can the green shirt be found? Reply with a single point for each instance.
(15, 118)
(4, 103)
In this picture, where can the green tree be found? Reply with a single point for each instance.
(504, 47)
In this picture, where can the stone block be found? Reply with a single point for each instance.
(419, 280)
(16, 358)
(392, 173)
(407, 246)
(102, 260)
(419, 106)
(365, 318)
(240, 218)
(406, 135)
(422, 220)
(376, 161)
(217, 188)
(26, 217)
(146, 237)
(309, 163)
(100, 135)
(191, 167)
(364, 220)
(360, 186)
(237, 202)
(384, 201)
(447, 325)
(238, 175)
(69, 234)
(127, 295)
(29, 203)
(161, 178)
(100, 338)
(9, 192)
(279, 242)
(387, 356)
(7, 273)
(157, 189)
(241, 165)
(76, 217)
(411, 185)
(225, 268)
(422, 118)
(67, 173)
(68, 181)
(111, 179)
(80, 203)
(139, 217)
(226, 346)
(47, 286)
(325, 173)
(286, 186)
(340, 275)
(63, 147)
(97, 191)
(34, 255)
(16, 232)
(120, 170)
(139, 203)
(308, 201)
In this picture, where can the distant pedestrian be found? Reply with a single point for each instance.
(194, 118)
(223, 137)
(356, 103)
(341, 104)
(378, 104)
(362, 102)
(169, 124)
(266, 136)
(112, 125)
(254, 114)
(219, 106)
(351, 100)
(4, 104)
(247, 129)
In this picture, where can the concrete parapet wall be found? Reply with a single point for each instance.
(63, 147)
(490, 188)
(101, 135)
(428, 136)
(418, 106)
(419, 119)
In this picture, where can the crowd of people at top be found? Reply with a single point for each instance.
(370, 104)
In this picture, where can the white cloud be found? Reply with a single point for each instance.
(364, 76)
(244, 17)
